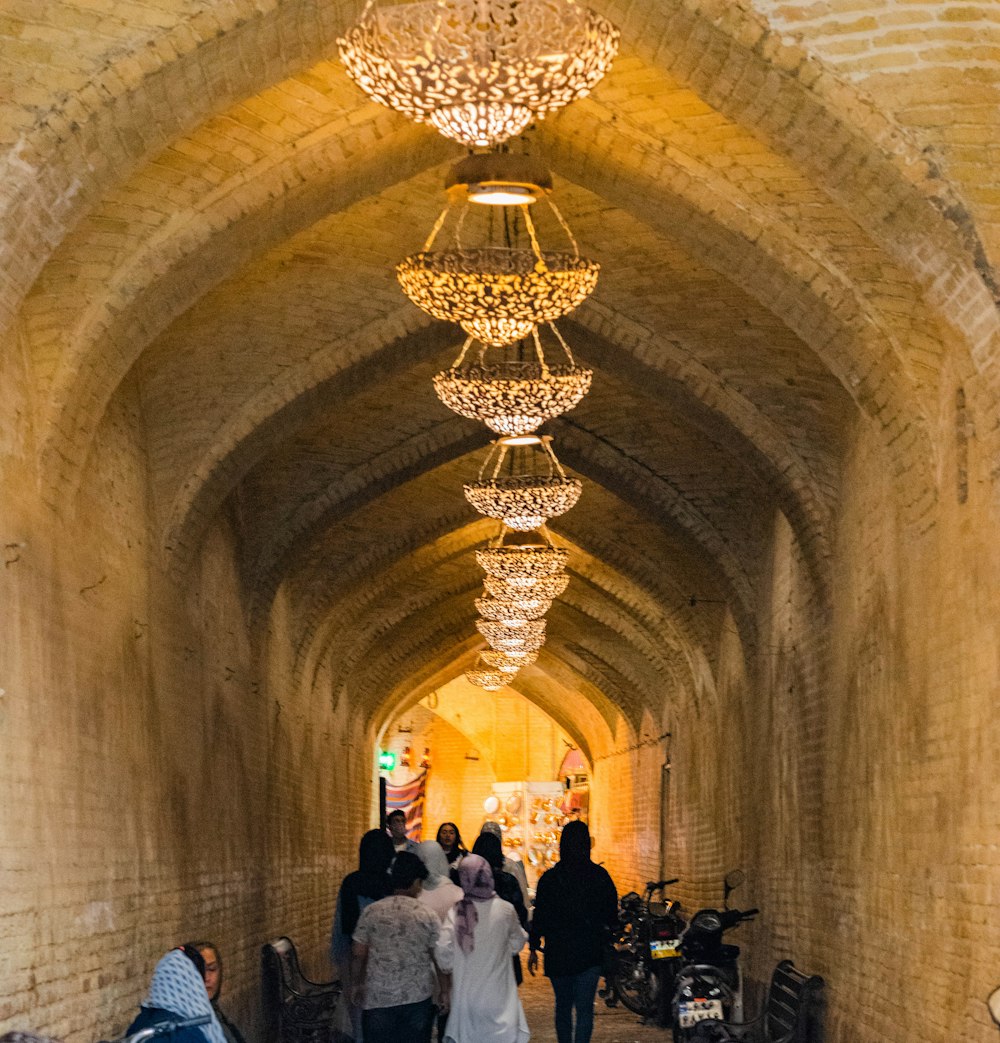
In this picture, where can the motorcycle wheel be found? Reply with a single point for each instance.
(635, 984)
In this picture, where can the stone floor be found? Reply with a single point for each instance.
(616, 1025)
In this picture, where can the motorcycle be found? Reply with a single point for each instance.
(708, 989)
(644, 952)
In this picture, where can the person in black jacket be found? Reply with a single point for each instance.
(575, 903)
(367, 884)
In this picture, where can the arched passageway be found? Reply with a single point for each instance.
(236, 552)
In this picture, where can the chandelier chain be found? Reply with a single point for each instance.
(437, 228)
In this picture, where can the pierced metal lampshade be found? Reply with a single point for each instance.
(479, 71)
(497, 295)
(510, 611)
(529, 636)
(490, 679)
(522, 564)
(513, 396)
(548, 588)
(508, 662)
(523, 501)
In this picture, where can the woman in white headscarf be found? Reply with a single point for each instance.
(476, 943)
(514, 866)
(177, 993)
(438, 892)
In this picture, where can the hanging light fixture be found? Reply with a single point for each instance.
(522, 564)
(497, 291)
(549, 588)
(496, 294)
(480, 71)
(509, 662)
(510, 611)
(492, 679)
(529, 636)
(523, 501)
(513, 397)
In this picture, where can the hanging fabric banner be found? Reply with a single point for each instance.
(409, 798)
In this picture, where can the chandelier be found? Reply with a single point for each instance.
(511, 612)
(508, 662)
(480, 71)
(492, 679)
(497, 294)
(522, 565)
(529, 636)
(549, 588)
(523, 501)
(513, 397)
(497, 291)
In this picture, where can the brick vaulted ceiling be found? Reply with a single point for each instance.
(203, 207)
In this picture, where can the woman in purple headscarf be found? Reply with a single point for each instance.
(479, 936)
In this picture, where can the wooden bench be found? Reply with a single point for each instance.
(296, 1010)
(792, 1012)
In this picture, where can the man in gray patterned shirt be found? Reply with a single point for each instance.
(394, 976)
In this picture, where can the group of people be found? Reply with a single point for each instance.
(430, 934)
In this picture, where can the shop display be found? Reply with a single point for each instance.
(531, 818)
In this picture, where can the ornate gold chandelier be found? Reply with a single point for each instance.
(497, 294)
(523, 501)
(529, 636)
(480, 71)
(503, 610)
(524, 564)
(508, 662)
(513, 397)
(492, 679)
(548, 588)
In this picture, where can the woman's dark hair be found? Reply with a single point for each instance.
(490, 848)
(375, 852)
(459, 848)
(574, 844)
(405, 870)
(191, 952)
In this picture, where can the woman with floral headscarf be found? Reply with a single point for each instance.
(176, 993)
(479, 936)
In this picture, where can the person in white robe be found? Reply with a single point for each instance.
(478, 938)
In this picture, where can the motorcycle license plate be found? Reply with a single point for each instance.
(662, 950)
(693, 1011)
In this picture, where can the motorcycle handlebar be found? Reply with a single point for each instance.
(749, 914)
(655, 885)
(165, 1028)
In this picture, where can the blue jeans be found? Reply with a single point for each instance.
(575, 991)
(409, 1021)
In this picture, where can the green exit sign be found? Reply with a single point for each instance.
(386, 761)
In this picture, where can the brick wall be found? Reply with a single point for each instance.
(159, 784)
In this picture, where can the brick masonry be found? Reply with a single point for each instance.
(235, 548)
